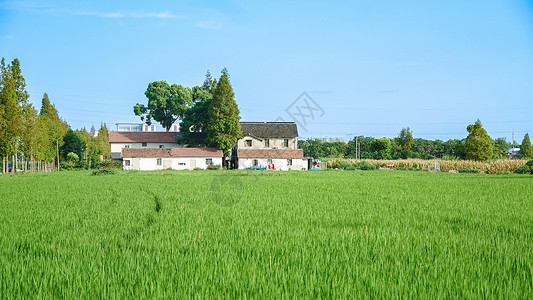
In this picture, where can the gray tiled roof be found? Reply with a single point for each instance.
(269, 129)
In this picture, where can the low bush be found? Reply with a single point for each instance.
(467, 171)
(106, 164)
(106, 171)
(525, 169)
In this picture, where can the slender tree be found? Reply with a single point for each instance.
(526, 151)
(102, 141)
(478, 145)
(223, 127)
(405, 142)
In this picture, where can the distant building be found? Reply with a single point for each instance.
(174, 158)
(141, 140)
(134, 127)
(513, 151)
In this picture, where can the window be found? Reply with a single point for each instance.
(161, 146)
(127, 146)
(267, 143)
(256, 163)
(126, 163)
(209, 161)
(159, 161)
(286, 143)
(248, 143)
(144, 144)
(289, 162)
(269, 161)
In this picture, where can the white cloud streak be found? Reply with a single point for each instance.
(135, 15)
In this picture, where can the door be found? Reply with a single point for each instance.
(192, 164)
(167, 163)
(135, 163)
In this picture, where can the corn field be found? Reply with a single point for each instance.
(490, 167)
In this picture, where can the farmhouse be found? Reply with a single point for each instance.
(141, 140)
(264, 145)
(173, 158)
(269, 145)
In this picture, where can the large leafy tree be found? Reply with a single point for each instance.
(500, 148)
(381, 148)
(166, 103)
(73, 142)
(526, 151)
(478, 145)
(194, 121)
(223, 127)
(405, 142)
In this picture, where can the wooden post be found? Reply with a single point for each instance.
(57, 149)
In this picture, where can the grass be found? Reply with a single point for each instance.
(379, 234)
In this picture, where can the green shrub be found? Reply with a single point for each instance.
(467, 171)
(113, 164)
(72, 157)
(525, 169)
(366, 166)
(106, 171)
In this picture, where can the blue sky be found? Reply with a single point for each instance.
(373, 67)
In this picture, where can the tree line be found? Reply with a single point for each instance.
(37, 140)
(476, 146)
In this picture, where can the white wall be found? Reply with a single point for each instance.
(279, 164)
(275, 143)
(150, 163)
(117, 147)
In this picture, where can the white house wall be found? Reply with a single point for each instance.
(274, 143)
(279, 164)
(150, 163)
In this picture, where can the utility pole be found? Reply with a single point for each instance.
(57, 149)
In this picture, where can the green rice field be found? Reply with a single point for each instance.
(261, 234)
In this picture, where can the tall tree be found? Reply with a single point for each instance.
(53, 127)
(223, 127)
(194, 121)
(500, 148)
(72, 142)
(381, 148)
(166, 103)
(13, 100)
(102, 141)
(526, 151)
(405, 142)
(478, 145)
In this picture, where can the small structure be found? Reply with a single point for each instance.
(173, 158)
(272, 159)
(141, 140)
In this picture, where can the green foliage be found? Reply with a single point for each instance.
(478, 145)
(223, 127)
(113, 164)
(467, 171)
(72, 142)
(72, 157)
(381, 148)
(166, 103)
(405, 142)
(106, 171)
(500, 148)
(526, 151)
(525, 169)
(195, 119)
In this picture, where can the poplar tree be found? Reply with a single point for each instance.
(526, 151)
(223, 127)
